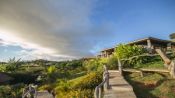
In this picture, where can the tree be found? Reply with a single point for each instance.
(51, 73)
(172, 36)
(128, 51)
(11, 66)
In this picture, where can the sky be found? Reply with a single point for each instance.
(71, 29)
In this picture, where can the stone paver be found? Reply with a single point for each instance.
(44, 94)
(119, 87)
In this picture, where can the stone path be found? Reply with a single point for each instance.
(119, 87)
(44, 94)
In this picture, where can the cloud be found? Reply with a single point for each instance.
(54, 28)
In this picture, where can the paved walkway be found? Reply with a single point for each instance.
(119, 87)
(44, 94)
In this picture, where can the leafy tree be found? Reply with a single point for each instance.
(51, 73)
(128, 51)
(51, 69)
(172, 36)
(11, 66)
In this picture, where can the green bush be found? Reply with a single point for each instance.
(112, 62)
(82, 87)
(51, 73)
(66, 65)
(93, 65)
(13, 91)
(2, 68)
(89, 81)
(86, 93)
(128, 51)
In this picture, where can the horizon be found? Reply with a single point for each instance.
(65, 30)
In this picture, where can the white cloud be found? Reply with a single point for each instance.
(56, 28)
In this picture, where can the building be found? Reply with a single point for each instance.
(149, 43)
(106, 53)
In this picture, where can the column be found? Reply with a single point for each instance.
(149, 45)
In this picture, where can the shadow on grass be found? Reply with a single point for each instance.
(141, 89)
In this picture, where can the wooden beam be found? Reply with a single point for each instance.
(163, 56)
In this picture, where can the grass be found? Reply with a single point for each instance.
(154, 64)
(152, 85)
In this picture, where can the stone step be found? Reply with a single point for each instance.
(122, 88)
(44, 94)
(121, 94)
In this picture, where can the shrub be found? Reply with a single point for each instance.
(93, 65)
(112, 62)
(51, 69)
(51, 73)
(128, 51)
(2, 68)
(82, 87)
(86, 93)
(14, 91)
(89, 81)
(69, 64)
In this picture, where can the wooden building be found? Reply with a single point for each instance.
(152, 43)
(106, 53)
(149, 43)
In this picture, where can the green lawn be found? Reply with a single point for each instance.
(152, 85)
(154, 64)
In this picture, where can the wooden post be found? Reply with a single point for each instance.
(141, 73)
(96, 93)
(100, 92)
(172, 69)
(106, 84)
(119, 66)
(149, 45)
(107, 80)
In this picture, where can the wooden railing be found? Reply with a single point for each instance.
(29, 92)
(169, 64)
(104, 84)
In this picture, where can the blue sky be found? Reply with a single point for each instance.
(64, 29)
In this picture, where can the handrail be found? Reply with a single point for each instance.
(28, 90)
(104, 83)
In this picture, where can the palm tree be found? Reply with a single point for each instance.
(13, 65)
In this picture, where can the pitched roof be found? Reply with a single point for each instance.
(152, 39)
(108, 49)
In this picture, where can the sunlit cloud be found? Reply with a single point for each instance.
(52, 28)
